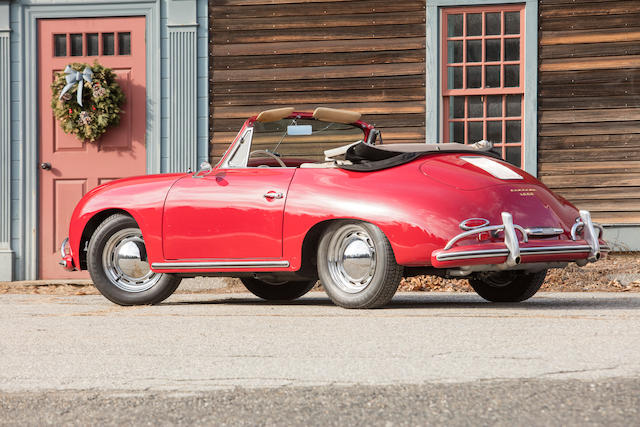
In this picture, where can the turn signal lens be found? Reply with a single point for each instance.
(484, 236)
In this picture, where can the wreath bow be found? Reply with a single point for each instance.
(73, 77)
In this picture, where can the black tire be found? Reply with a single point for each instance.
(104, 267)
(377, 275)
(285, 291)
(507, 286)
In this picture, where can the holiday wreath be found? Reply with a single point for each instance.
(86, 100)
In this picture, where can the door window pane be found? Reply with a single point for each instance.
(512, 22)
(511, 75)
(92, 44)
(454, 25)
(514, 105)
(474, 77)
(474, 24)
(511, 49)
(494, 106)
(454, 78)
(474, 51)
(454, 51)
(492, 24)
(492, 50)
(108, 42)
(76, 44)
(475, 106)
(60, 45)
(492, 79)
(124, 43)
(475, 132)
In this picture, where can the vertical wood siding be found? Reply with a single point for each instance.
(589, 105)
(361, 55)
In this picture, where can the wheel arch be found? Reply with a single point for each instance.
(90, 228)
(312, 238)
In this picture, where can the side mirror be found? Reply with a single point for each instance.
(205, 169)
(205, 166)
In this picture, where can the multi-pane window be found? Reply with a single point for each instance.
(483, 77)
(92, 44)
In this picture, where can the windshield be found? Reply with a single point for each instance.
(303, 138)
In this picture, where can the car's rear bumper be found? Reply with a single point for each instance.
(497, 253)
(515, 253)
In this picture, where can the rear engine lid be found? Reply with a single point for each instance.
(471, 172)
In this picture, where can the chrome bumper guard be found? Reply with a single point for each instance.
(589, 234)
(510, 238)
(513, 249)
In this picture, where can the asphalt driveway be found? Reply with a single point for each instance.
(193, 345)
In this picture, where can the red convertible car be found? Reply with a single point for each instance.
(302, 196)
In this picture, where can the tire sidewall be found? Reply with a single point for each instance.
(521, 288)
(160, 291)
(375, 288)
(284, 292)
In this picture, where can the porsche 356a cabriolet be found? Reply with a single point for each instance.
(300, 197)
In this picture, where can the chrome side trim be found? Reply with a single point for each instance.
(218, 264)
(490, 253)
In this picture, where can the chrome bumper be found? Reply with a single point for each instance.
(513, 251)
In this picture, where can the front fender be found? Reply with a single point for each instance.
(140, 197)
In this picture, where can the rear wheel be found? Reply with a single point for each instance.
(356, 265)
(278, 291)
(118, 265)
(507, 286)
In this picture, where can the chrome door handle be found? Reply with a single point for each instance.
(45, 166)
(273, 195)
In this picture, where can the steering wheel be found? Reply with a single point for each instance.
(269, 154)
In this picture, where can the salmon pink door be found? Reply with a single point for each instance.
(69, 167)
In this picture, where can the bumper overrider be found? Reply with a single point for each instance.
(517, 251)
(67, 259)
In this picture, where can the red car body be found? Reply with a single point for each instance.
(229, 221)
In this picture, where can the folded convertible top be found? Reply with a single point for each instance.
(368, 158)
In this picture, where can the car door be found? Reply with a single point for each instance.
(228, 214)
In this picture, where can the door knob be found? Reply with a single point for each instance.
(45, 166)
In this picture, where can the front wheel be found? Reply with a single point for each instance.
(118, 265)
(507, 286)
(281, 291)
(356, 265)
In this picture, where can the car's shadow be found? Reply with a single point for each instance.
(585, 301)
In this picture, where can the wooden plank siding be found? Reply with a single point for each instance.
(589, 105)
(361, 55)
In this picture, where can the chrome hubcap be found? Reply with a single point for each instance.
(352, 258)
(125, 262)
